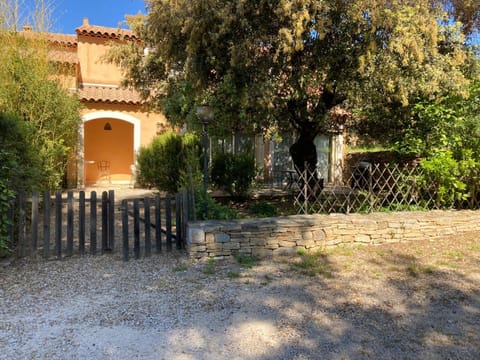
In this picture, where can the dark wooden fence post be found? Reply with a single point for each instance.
(21, 225)
(46, 223)
(178, 220)
(148, 224)
(104, 221)
(58, 224)
(185, 215)
(125, 228)
(11, 221)
(136, 229)
(34, 230)
(70, 223)
(168, 221)
(111, 220)
(81, 222)
(158, 224)
(93, 223)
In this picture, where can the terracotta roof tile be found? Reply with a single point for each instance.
(63, 39)
(109, 95)
(102, 31)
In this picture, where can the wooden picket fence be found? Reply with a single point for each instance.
(60, 225)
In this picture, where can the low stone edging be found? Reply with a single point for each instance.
(287, 235)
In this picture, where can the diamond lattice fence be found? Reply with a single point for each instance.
(383, 187)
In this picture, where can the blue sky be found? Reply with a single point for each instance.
(68, 14)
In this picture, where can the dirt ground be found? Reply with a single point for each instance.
(418, 300)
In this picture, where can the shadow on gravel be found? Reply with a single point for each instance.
(376, 303)
(424, 314)
(409, 311)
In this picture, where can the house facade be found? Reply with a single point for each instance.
(115, 122)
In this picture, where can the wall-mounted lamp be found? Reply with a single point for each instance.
(107, 126)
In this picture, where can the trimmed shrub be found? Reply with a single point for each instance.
(206, 208)
(167, 162)
(233, 173)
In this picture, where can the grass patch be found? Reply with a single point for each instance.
(210, 268)
(474, 247)
(313, 264)
(233, 275)
(180, 268)
(414, 270)
(263, 209)
(455, 255)
(246, 261)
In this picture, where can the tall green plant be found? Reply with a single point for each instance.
(446, 134)
(233, 173)
(169, 161)
(28, 88)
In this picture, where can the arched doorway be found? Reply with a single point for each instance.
(108, 138)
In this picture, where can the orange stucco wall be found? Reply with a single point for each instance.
(82, 65)
(114, 146)
(148, 120)
(93, 68)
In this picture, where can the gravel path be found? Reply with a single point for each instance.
(370, 303)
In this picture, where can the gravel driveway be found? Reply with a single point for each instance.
(399, 301)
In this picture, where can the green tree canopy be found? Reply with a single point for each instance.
(290, 64)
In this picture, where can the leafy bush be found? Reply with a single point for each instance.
(49, 115)
(233, 173)
(446, 133)
(442, 172)
(264, 209)
(166, 163)
(21, 163)
(206, 208)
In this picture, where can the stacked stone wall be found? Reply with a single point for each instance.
(287, 235)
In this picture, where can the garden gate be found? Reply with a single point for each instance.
(60, 226)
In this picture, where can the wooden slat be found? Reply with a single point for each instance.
(158, 224)
(70, 213)
(93, 223)
(58, 224)
(81, 222)
(46, 224)
(178, 220)
(136, 228)
(111, 220)
(34, 227)
(125, 229)
(168, 221)
(21, 225)
(104, 221)
(148, 239)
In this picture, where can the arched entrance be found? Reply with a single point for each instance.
(108, 138)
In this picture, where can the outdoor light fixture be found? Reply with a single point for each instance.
(107, 126)
(205, 115)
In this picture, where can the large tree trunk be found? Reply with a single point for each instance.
(304, 156)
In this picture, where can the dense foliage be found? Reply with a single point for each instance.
(233, 173)
(207, 208)
(38, 118)
(170, 162)
(289, 64)
(51, 115)
(446, 134)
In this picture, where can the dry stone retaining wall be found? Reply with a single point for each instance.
(286, 235)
